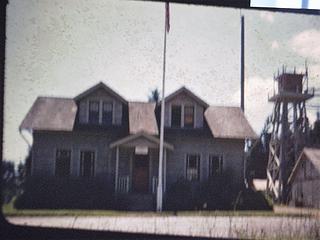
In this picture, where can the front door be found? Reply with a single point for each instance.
(140, 175)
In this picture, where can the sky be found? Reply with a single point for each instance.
(61, 48)
(312, 4)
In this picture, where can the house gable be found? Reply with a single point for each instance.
(104, 98)
(307, 166)
(184, 98)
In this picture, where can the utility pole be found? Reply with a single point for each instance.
(242, 63)
(160, 174)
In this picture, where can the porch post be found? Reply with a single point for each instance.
(117, 170)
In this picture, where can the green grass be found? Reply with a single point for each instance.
(9, 210)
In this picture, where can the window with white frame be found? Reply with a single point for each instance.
(176, 116)
(215, 164)
(87, 163)
(94, 112)
(188, 116)
(62, 164)
(193, 167)
(83, 112)
(107, 110)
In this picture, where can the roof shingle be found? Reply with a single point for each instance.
(142, 118)
(228, 122)
(48, 113)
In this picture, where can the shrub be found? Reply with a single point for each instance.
(220, 192)
(55, 193)
(249, 199)
(179, 196)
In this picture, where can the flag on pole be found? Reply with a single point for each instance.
(167, 17)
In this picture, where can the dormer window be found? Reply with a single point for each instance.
(94, 112)
(175, 116)
(107, 109)
(189, 116)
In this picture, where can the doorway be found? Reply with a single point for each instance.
(140, 173)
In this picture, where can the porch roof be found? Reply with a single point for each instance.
(151, 140)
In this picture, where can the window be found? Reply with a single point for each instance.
(193, 167)
(87, 164)
(63, 159)
(94, 112)
(83, 112)
(107, 113)
(188, 116)
(176, 116)
(215, 165)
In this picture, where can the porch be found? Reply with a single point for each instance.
(137, 165)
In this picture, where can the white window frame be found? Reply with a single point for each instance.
(99, 102)
(181, 114)
(86, 110)
(101, 109)
(221, 160)
(80, 174)
(55, 158)
(194, 113)
(198, 166)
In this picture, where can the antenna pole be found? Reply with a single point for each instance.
(242, 63)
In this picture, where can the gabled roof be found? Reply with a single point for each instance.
(142, 118)
(148, 137)
(189, 93)
(48, 113)
(312, 154)
(228, 122)
(103, 86)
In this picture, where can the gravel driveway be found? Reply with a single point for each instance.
(220, 226)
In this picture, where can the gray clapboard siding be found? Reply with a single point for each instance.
(232, 151)
(46, 143)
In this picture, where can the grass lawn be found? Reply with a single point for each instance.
(9, 210)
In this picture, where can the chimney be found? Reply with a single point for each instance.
(242, 63)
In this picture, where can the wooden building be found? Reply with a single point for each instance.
(305, 180)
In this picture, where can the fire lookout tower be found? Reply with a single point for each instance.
(290, 129)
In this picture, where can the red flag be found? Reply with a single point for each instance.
(167, 17)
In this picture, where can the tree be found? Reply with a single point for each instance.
(315, 133)
(21, 177)
(154, 96)
(8, 181)
(258, 159)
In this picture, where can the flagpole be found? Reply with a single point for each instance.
(160, 174)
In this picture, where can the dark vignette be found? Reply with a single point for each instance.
(9, 231)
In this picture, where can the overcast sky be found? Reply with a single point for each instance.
(312, 4)
(61, 48)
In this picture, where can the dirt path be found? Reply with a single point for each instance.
(246, 227)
